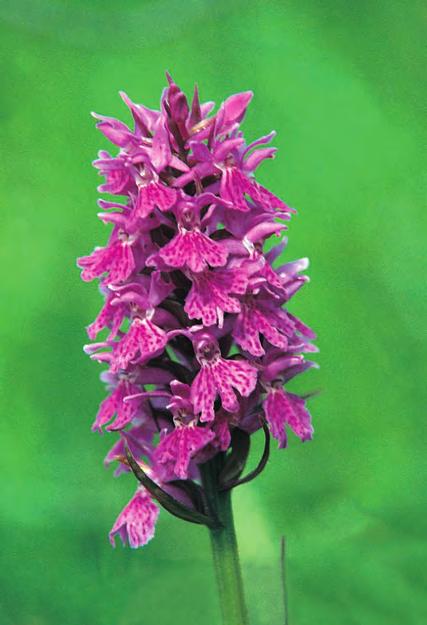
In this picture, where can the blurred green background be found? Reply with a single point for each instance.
(344, 85)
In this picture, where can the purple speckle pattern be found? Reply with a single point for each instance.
(222, 378)
(210, 295)
(136, 523)
(151, 196)
(142, 340)
(284, 409)
(110, 316)
(194, 250)
(116, 260)
(115, 404)
(178, 447)
(258, 318)
(194, 332)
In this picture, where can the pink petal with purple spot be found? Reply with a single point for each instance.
(177, 448)
(221, 377)
(286, 409)
(209, 297)
(115, 404)
(143, 339)
(253, 321)
(154, 195)
(116, 260)
(194, 250)
(136, 522)
(110, 316)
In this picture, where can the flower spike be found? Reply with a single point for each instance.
(195, 330)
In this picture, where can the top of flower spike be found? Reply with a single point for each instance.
(184, 137)
(200, 341)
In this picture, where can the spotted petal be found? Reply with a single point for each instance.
(286, 409)
(136, 522)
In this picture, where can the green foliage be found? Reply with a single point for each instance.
(343, 85)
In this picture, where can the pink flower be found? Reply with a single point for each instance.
(136, 522)
(201, 344)
(235, 186)
(151, 196)
(178, 447)
(210, 296)
(258, 317)
(111, 316)
(218, 376)
(116, 259)
(138, 439)
(191, 247)
(118, 177)
(286, 409)
(116, 403)
(143, 339)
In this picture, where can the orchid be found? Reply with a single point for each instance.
(198, 339)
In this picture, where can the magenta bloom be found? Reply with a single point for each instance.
(135, 524)
(177, 448)
(195, 328)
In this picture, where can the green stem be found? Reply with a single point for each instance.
(224, 548)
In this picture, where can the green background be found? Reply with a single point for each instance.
(343, 84)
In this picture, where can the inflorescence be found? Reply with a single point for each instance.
(199, 343)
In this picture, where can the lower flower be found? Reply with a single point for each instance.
(136, 522)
